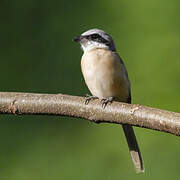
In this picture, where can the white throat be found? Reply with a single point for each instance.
(92, 45)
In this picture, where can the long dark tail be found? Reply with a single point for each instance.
(133, 148)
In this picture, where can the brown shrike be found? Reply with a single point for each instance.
(106, 77)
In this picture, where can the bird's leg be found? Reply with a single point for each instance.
(88, 98)
(105, 101)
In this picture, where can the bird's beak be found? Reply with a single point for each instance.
(77, 38)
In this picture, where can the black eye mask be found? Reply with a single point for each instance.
(97, 38)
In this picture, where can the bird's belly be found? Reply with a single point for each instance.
(104, 83)
(104, 76)
(97, 84)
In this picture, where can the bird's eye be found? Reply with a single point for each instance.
(95, 36)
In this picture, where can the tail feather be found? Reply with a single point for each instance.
(133, 148)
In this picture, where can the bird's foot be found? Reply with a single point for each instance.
(89, 98)
(105, 101)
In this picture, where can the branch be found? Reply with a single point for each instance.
(73, 106)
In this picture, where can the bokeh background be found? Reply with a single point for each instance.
(37, 55)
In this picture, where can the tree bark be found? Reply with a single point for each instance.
(73, 106)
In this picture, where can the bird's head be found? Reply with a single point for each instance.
(95, 38)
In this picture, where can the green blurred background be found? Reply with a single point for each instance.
(37, 55)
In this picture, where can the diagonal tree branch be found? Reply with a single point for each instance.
(65, 105)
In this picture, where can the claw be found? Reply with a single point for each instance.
(88, 98)
(105, 101)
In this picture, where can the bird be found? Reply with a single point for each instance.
(107, 79)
